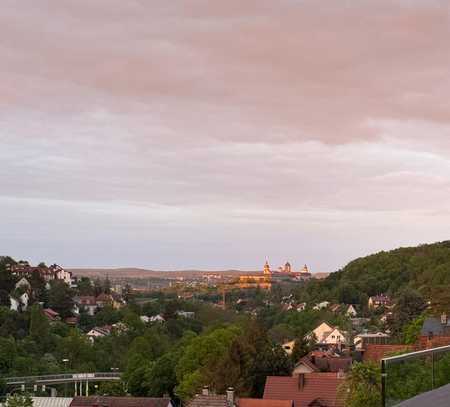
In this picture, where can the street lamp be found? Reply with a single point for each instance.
(66, 363)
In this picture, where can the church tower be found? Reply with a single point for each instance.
(287, 267)
(267, 268)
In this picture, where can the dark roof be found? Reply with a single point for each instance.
(337, 364)
(433, 326)
(264, 403)
(323, 386)
(210, 400)
(119, 402)
(436, 398)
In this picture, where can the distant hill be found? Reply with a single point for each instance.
(144, 273)
(425, 268)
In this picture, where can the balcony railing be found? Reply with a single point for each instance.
(406, 376)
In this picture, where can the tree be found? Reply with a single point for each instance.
(39, 327)
(251, 357)
(362, 387)
(161, 378)
(84, 286)
(301, 348)
(112, 389)
(411, 331)
(409, 305)
(60, 298)
(19, 400)
(193, 367)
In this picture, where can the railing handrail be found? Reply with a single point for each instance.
(61, 376)
(416, 354)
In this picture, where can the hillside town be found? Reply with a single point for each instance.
(313, 365)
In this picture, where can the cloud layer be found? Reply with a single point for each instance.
(213, 134)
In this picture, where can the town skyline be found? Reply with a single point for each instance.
(210, 135)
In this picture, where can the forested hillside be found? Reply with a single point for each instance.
(425, 268)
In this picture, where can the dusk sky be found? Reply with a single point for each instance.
(217, 133)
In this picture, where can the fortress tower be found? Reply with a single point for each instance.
(266, 270)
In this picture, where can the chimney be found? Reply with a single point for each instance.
(444, 319)
(301, 381)
(230, 397)
(205, 391)
(340, 374)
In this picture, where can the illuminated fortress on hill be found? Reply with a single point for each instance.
(269, 277)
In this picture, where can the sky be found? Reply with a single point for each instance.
(216, 134)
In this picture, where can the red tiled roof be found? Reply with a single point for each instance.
(119, 402)
(306, 361)
(50, 314)
(323, 386)
(264, 403)
(375, 353)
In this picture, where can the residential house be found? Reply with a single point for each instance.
(23, 284)
(102, 401)
(335, 337)
(378, 301)
(305, 365)
(145, 319)
(19, 301)
(157, 318)
(288, 347)
(104, 300)
(375, 352)
(435, 332)
(99, 332)
(186, 314)
(321, 305)
(362, 340)
(320, 361)
(86, 303)
(301, 307)
(209, 399)
(335, 308)
(51, 315)
(306, 389)
(51, 401)
(351, 311)
(54, 272)
(321, 332)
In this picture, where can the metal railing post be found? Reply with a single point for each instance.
(383, 383)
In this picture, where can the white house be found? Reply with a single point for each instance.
(320, 333)
(335, 337)
(186, 314)
(321, 305)
(351, 311)
(20, 303)
(23, 283)
(361, 340)
(98, 332)
(288, 347)
(157, 318)
(301, 306)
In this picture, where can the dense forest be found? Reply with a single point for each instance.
(425, 268)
